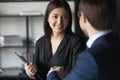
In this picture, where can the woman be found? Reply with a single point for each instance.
(59, 45)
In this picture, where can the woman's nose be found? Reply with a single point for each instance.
(60, 20)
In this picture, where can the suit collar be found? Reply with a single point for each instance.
(93, 38)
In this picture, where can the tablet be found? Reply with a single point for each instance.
(22, 58)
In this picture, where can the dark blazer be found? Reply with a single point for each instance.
(100, 62)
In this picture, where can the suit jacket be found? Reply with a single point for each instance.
(100, 62)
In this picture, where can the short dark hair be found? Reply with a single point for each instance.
(56, 4)
(100, 13)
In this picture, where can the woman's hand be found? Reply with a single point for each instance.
(31, 70)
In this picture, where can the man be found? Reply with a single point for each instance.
(100, 61)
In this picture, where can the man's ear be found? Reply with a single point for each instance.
(83, 17)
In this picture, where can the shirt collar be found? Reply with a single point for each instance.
(93, 38)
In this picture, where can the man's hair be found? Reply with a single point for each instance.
(100, 13)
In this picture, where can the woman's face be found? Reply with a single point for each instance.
(58, 20)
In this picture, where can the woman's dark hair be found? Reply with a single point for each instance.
(56, 4)
(100, 13)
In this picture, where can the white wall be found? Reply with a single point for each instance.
(12, 22)
(15, 8)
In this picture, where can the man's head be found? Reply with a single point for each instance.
(99, 13)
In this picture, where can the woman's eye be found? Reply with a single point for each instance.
(65, 17)
(54, 16)
(62, 17)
